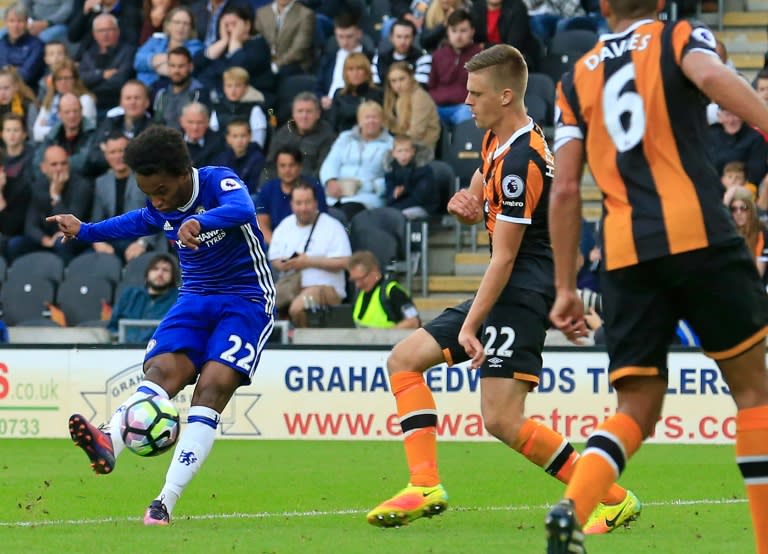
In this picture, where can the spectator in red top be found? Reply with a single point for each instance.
(448, 78)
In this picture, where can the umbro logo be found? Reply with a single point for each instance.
(495, 361)
(167, 227)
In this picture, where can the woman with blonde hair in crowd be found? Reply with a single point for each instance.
(16, 97)
(408, 108)
(434, 29)
(64, 78)
(353, 170)
(741, 203)
(358, 88)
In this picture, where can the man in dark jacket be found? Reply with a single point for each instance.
(149, 302)
(107, 63)
(306, 131)
(19, 48)
(57, 192)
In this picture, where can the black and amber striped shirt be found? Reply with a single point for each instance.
(644, 127)
(516, 180)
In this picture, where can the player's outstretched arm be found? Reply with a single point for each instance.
(724, 87)
(68, 224)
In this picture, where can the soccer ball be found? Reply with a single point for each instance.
(150, 426)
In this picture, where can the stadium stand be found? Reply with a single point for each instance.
(447, 265)
(26, 297)
(44, 265)
(95, 264)
(82, 298)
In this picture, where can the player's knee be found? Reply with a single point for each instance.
(397, 361)
(171, 381)
(503, 426)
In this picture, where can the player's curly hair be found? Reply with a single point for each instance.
(158, 149)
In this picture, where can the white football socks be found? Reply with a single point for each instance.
(191, 451)
(147, 388)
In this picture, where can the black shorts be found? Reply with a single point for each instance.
(716, 290)
(513, 335)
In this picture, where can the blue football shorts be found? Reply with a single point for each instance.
(224, 328)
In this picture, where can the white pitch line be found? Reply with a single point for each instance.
(351, 511)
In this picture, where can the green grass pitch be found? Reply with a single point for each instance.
(311, 497)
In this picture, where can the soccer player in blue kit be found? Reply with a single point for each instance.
(215, 332)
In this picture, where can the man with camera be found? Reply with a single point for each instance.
(311, 250)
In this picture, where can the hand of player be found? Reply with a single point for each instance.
(473, 347)
(188, 233)
(567, 315)
(69, 225)
(398, 192)
(465, 205)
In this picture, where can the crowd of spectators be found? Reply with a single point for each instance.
(80, 78)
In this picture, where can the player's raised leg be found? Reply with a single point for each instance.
(424, 495)
(165, 377)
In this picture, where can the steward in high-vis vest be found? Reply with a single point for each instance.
(380, 303)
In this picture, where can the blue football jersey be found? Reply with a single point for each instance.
(231, 258)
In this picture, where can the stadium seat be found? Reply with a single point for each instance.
(573, 41)
(25, 297)
(443, 147)
(542, 86)
(445, 182)
(378, 241)
(133, 272)
(339, 215)
(463, 153)
(95, 264)
(537, 109)
(556, 64)
(382, 231)
(81, 298)
(40, 264)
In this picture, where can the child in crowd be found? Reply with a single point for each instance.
(409, 179)
(241, 101)
(54, 54)
(735, 175)
(243, 156)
